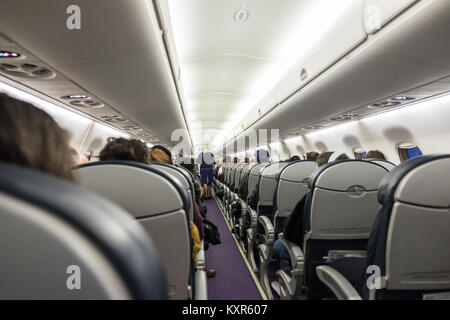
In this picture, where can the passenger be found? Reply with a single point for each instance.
(294, 158)
(374, 154)
(323, 158)
(246, 160)
(312, 156)
(206, 162)
(160, 154)
(30, 137)
(235, 160)
(125, 149)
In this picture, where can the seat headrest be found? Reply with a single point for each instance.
(148, 182)
(419, 181)
(256, 170)
(345, 174)
(107, 226)
(297, 171)
(271, 171)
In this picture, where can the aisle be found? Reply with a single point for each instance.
(233, 280)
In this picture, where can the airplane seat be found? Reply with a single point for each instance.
(159, 202)
(59, 241)
(186, 178)
(249, 220)
(387, 164)
(237, 204)
(409, 239)
(339, 211)
(291, 186)
(241, 223)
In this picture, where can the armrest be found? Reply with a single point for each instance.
(337, 283)
(201, 287)
(200, 259)
(253, 217)
(268, 229)
(296, 254)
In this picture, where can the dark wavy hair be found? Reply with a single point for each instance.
(31, 137)
(125, 149)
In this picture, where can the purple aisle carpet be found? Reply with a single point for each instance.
(233, 280)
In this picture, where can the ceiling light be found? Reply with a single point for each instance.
(241, 15)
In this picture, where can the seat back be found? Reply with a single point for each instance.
(410, 238)
(268, 183)
(292, 185)
(183, 176)
(159, 202)
(237, 176)
(59, 241)
(254, 176)
(339, 212)
(231, 173)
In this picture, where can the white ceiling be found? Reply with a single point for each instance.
(226, 66)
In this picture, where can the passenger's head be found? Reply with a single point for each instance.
(312, 156)
(342, 156)
(235, 160)
(374, 154)
(161, 154)
(124, 149)
(323, 158)
(294, 158)
(30, 137)
(246, 160)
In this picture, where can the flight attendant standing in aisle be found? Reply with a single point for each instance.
(206, 162)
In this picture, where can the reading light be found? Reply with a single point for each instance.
(75, 96)
(399, 98)
(9, 54)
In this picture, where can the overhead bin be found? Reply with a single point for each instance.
(118, 55)
(331, 42)
(409, 52)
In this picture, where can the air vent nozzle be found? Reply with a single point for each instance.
(27, 71)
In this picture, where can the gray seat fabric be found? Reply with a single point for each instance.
(342, 203)
(237, 175)
(293, 185)
(268, 183)
(254, 175)
(59, 241)
(185, 180)
(159, 202)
